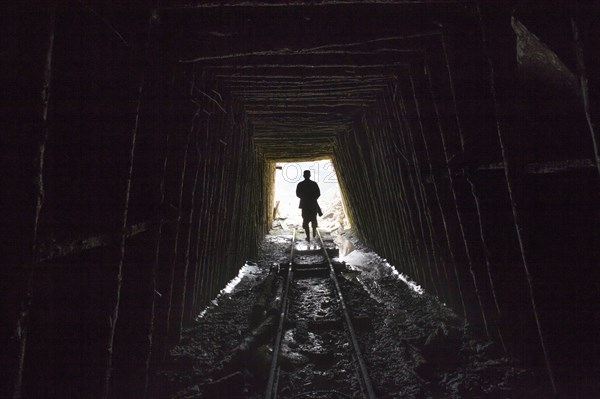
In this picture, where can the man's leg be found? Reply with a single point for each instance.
(306, 229)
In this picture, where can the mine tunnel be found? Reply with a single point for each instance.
(140, 141)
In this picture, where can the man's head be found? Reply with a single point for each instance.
(307, 174)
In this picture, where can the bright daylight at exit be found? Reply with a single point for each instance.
(286, 212)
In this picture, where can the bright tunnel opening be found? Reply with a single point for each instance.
(286, 213)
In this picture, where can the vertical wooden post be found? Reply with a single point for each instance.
(157, 239)
(411, 151)
(513, 204)
(24, 198)
(203, 224)
(180, 283)
(471, 184)
(170, 216)
(427, 205)
(451, 251)
(585, 96)
(118, 272)
(118, 276)
(401, 175)
(173, 264)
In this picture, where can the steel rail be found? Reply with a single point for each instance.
(363, 375)
(273, 371)
(363, 372)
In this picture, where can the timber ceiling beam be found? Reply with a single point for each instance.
(187, 5)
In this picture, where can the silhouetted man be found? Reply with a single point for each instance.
(308, 192)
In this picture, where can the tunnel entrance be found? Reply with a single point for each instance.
(286, 213)
(140, 143)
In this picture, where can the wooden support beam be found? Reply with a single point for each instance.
(190, 5)
(238, 78)
(189, 233)
(437, 190)
(159, 198)
(312, 57)
(566, 166)
(585, 95)
(118, 273)
(47, 251)
(513, 203)
(26, 133)
(171, 335)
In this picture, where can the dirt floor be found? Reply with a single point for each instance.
(414, 346)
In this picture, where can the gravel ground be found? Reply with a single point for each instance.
(414, 346)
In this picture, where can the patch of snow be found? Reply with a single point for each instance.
(248, 269)
(372, 263)
(413, 286)
(358, 259)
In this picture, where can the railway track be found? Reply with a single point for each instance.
(316, 353)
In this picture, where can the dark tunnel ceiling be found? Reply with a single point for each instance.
(306, 72)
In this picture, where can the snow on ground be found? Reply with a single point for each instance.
(414, 346)
(250, 271)
(289, 215)
(365, 261)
